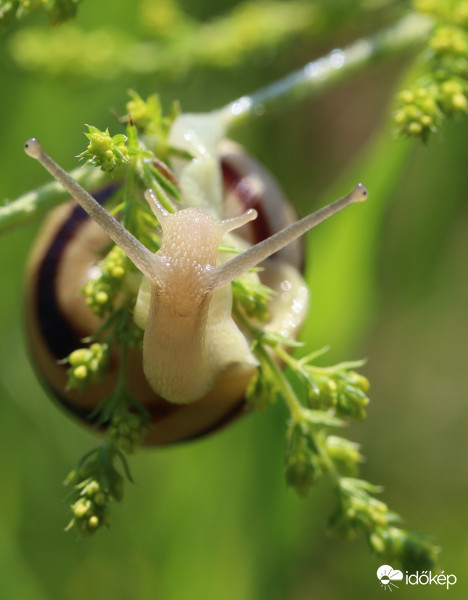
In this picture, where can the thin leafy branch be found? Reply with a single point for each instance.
(331, 397)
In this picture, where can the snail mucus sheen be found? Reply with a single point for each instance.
(196, 361)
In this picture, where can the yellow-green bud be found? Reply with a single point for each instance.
(102, 297)
(93, 521)
(400, 117)
(359, 380)
(79, 356)
(81, 507)
(80, 372)
(415, 128)
(100, 499)
(407, 96)
(429, 105)
(118, 272)
(92, 488)
(459, 101)
(377, 543)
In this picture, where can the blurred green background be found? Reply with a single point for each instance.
(213, 519)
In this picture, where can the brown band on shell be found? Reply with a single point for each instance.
(237, 184)
(247, 184)
(53, 325)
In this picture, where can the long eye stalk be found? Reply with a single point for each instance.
(230, 270)
(143, 258)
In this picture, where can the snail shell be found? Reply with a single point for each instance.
(57, 317)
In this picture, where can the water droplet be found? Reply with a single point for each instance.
(337, 58)
(241, 105)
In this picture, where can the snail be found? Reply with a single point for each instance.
(196, 359)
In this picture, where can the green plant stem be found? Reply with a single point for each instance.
(37, 202)
(293, 404)
(315, 77)
(327, 71)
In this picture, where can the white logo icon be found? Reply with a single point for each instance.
(387, 575)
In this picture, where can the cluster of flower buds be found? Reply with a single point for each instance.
(87, 365)
(101, 292)
(253, 297)
(341, 390)
(358, 510)
(453, 96)
(105, 151)
(262, 389)
(90, 511)
(418, 113)
(449, 11)
(303, 463)
(344, 454)
(442, 90)
(128, 430)
(95, 483)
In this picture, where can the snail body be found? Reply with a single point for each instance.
(196, 360)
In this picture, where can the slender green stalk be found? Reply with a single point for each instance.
(327, 71)
(293, 404)
(37, 202)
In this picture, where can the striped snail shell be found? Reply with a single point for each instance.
(57, 317)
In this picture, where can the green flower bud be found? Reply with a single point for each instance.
(92, 488)
(261, 391)
(105, 151)
(359, 381)
(93, 522)
(81, 508)
(102, 297)
(407, 97)
(400, 117)
(322, 391)
(344, 454)
(147, 114)
(302, 463)
(427, 121)
(449, 40)
(415, 128)
(459, 102)
(118, 272)
(79, 356)
(80, 372)
(100, 499)
(253, 297)
(100, 143)
(377, 543)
